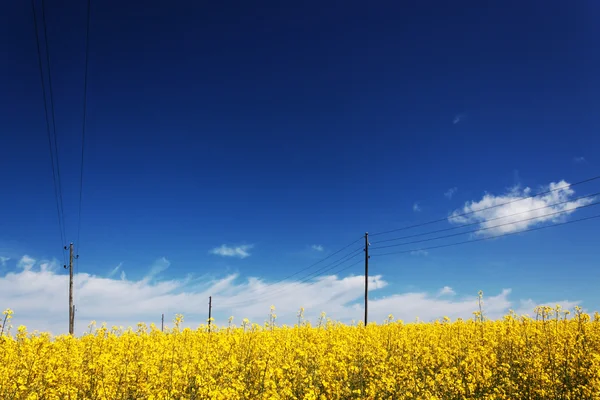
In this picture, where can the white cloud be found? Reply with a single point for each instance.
(416, 207)
(450, 192)
(419, 253)
(239, 251)
(3, 261)
(317, 247)
(579, 160)
(26, 263)
(524, 210)
(446, 291)
(39, 297)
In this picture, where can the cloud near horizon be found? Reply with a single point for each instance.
(446, 291)
(505, 213)
(227, 251)
(38, 298)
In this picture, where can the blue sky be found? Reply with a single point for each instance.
(230, 138)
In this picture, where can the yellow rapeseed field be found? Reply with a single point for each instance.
(548, 356)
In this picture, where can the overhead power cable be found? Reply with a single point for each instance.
(486, 228)
(51, 133)
(487, 238)
(486, 208)
(304, 279)
(85, 86)
(345, 268)
(487, 220)
(316, 263)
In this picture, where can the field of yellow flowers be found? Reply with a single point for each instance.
(548, 356)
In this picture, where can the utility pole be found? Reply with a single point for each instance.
(162, 323)
(209, 311)
(366, 276)
(71, 307)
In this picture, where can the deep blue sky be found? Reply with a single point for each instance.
(285, 126)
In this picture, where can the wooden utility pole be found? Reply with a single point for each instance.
(366, 276)
(162, 323)
(209, 311)
(71, 307)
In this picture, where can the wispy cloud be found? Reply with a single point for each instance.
(446, 291)
(157, 267)
(317, 247)
(416, 207)
(227, 251)
(579, 160)
(450, 192)
(114, 270)
(541, 208)
(26, 263)
(3, 261)
(38, 295)
(419, 253)
(458, 118)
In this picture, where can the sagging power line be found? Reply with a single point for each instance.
(84, 119)
(486, 208)
(53, 144)
(488, 227)
(489, 237)
(312, 265)
(488, 219)
(50, 124)
(304, 279)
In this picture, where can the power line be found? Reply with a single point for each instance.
(487, 220)
(317, 263)
(312, 275)
(331, 267)
(486, 208)
(486, 228)
(62, 209)
(85, 81)
(305, 279)
(338, 271)
(345, 268)
(55, 176)
(314, 264)
(487, 238)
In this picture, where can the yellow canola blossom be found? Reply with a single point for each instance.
(549, 356)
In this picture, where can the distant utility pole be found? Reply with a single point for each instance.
(209, 311)
(162, 323)
(71, 306)
(366, 276)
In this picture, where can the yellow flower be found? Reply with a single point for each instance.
(500, 359)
